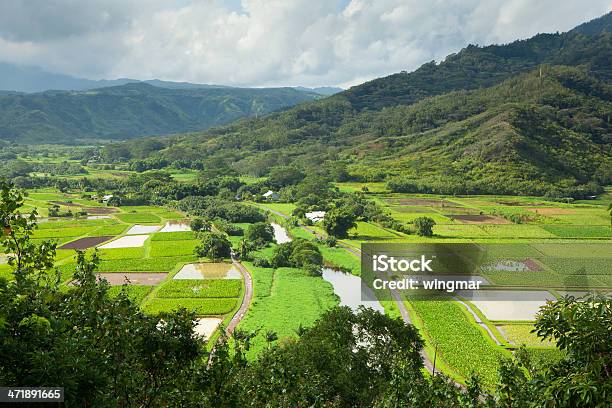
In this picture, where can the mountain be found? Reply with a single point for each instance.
(33, 79)
(133, 110)
(529, 117)
(323, 90)
(29, 79)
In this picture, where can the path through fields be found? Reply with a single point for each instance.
(394, 293)
(246, 299)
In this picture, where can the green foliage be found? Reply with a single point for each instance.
(214, 246)
(200, 224)
(298, 253)
(424, 226)
(197, 306)
(260, 234)
(133, 110)
(338, 222)
(202, 288)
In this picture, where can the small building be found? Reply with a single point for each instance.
(106, 198)
(315, 216)
(271, 195)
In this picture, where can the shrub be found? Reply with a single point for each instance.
(200, 224)
(214, 246)
(338, 222)
(424, 226)
(298, 253)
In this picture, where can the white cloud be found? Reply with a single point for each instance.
(266, 42)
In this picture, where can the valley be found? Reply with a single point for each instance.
(433, 238)
(548, 249)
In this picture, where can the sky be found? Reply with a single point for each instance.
(266, 42)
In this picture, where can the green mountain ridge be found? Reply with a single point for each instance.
(132, 110)
(530, 117)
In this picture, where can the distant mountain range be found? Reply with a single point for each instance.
(133, 110)
(529, 117)
(30, 79)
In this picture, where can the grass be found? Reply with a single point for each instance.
(295, 299)
(164, 264)
(579, 231)
(173, 248)
(111, 230)
(372, 187)
(138, 218)
(262, 279)
(285, 208)
(575, 249)
(201, 307)
(207, 288)
(121, 253)
(340, 258)
(520, 334)
(62, 232)
(464, 347)
(135, 292)
(173, 236)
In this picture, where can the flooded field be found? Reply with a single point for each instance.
(350, 291)
(176, 226)
(280, 234)
(143, 229)
(508, 304)
(132, 241)
(119, 278)
(206, 326)
(211, 270)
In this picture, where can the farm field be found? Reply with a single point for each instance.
(564, 247)
(153, 248)
(137, 255)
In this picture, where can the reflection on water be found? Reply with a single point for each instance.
(176, 226)
(350, 291)
(208, 271)
(280, 234)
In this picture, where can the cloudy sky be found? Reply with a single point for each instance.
(266, 42)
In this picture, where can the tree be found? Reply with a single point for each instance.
(260, 234)
(244, 247)
(284, 176)
(200, 224)
(424, 226)
(299, 253)
(337, 222)
(214, 245)
(103, 350)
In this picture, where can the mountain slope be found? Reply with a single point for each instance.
(132, 110)
(498, 119)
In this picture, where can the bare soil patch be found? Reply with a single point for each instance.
(100, 210)
(88, 242)
(478, 219)
(64, 203)
(551, 211)
(119, 278)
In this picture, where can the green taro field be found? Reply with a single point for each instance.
(549, 248)
(532, 245)
(157, 254)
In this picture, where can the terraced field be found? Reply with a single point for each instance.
(134, 255)
(564, 248)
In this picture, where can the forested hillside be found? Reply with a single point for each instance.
(132, 110)
(530, 117)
